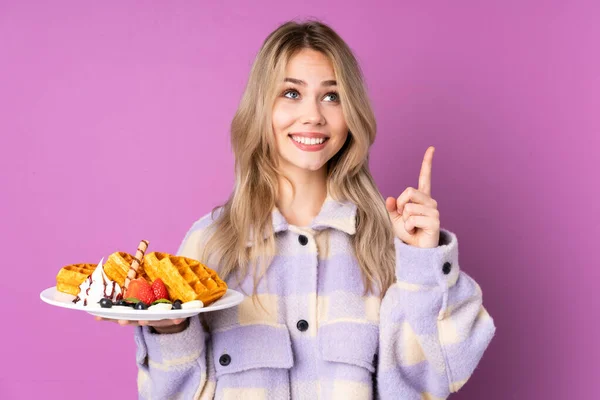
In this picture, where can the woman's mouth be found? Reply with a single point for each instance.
(309, 143)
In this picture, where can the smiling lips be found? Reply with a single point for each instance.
(309, 141)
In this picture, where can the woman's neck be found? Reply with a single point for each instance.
(311, 190)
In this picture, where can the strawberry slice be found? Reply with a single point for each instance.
(159, 290)
(141, 290)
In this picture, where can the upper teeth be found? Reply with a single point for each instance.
(305, 140)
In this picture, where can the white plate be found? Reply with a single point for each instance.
(53, 297)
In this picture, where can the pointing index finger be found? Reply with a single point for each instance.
(425, 175)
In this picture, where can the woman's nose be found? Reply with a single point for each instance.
(311, 113)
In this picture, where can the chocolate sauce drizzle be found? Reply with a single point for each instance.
(106, 295)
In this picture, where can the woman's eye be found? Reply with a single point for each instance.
(332, 96)
(291, 94)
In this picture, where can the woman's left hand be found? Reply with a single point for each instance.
(414, 214)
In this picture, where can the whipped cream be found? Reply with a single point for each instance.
(96, 287)
(160, 307)
(192, 304)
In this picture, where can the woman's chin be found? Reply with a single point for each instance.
(308, 167)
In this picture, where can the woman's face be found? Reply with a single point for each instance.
(308, 121)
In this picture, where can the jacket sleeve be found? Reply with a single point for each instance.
(433, 326)
(177, 365)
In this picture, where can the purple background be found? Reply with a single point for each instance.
(114, 125)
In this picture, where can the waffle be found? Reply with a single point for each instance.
(184, 278)
(117, 266)
(70, 277)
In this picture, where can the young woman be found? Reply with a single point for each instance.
(348, 296)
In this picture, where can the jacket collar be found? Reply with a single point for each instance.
(333, 214)
(340, 215)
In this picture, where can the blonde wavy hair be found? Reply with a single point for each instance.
(247, 213)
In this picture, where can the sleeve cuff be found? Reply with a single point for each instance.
(432, 267)
(170, 348)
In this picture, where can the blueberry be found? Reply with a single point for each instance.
(177, 305)
(141, 306)
(106, 303)
(124, 303)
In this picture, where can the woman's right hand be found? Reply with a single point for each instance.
(161, 326)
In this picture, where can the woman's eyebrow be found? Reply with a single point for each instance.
(300, 82)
